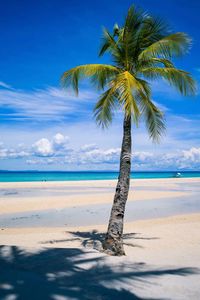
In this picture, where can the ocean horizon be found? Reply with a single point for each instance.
(28, 176)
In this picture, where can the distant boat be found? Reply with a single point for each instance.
(177, 175)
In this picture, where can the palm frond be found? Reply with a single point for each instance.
(181, 80)
(103, 110)
(132, 22)
(153, 62)
(128, 38)
(98, 73)
(154, 120)
(161, 61)
(175, 44)
(144, 87)
(108, 43)
(151, 30)
(125, 85)
(153, 117)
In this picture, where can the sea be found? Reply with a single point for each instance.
(24, 176)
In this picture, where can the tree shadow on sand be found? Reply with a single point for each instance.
(57, 273)
(94, 239)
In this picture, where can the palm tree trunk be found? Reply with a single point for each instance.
(113, 243)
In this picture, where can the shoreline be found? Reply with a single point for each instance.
(34, 196)
(83, 182)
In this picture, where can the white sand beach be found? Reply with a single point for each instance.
(51, 232)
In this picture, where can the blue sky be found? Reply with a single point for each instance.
(43, 127)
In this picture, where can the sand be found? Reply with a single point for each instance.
(65, 262)
(51, 195)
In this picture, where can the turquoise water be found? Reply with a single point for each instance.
(6, 176)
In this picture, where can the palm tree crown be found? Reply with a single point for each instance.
(142, 49)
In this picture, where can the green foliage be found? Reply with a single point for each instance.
(180, 79)
(99, 74)
(173, 45)
(141, 49)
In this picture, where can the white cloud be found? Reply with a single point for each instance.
(51, 104)
(60, 141)
(182, 159)
(186, 159)
(88, 147)
(5, 85)
(97, 156)
(192, 155)
(142, 156)
(54, 147)
(89, 156)
(6, 152)
(37, 161)
(43, 147)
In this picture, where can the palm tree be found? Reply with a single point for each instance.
(141, 50)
